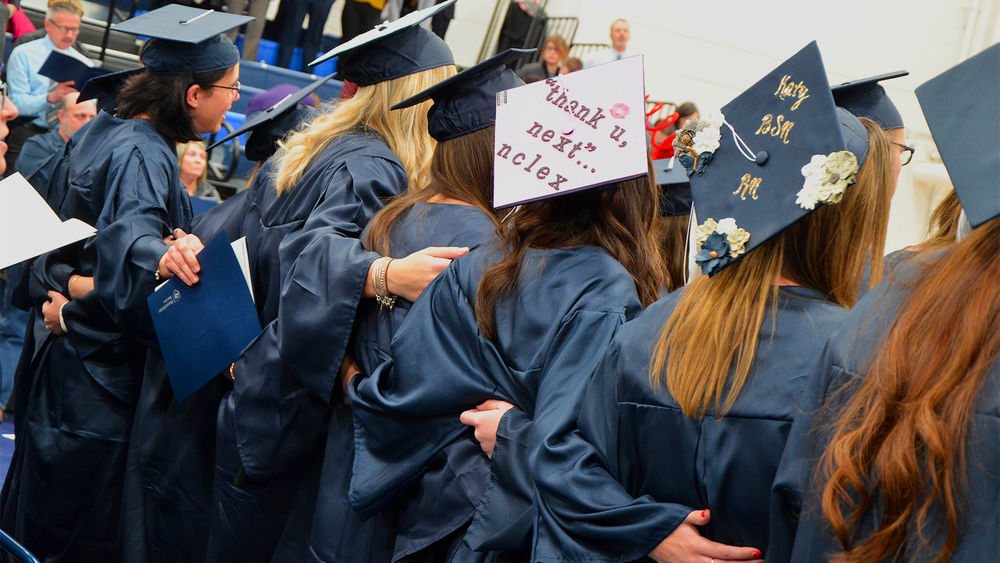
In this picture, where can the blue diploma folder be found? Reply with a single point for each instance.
(61, 67)
(205, 327)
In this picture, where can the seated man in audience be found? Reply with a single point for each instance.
(28, 89)
(620, 35)
(36, 150)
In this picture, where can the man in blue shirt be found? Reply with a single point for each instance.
(29, 90)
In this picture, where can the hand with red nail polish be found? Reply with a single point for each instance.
(686, 544)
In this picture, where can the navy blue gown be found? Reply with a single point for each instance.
(308, 268)
(849, 352)
(335, 524)
(123, 178)
(637, 465)
(550, 335)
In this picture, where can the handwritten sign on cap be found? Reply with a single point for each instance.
(569, 133)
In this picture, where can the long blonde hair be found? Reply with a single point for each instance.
(707, 347)
(403, 131)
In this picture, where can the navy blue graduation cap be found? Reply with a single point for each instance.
(780, 149)
(867, 98)
(675, 188)
(185, 39)
(105, 89)
(962, 108)
(467, 102)
(391, 50)
(271, 124)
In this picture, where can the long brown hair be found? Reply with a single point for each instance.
(461, 168)
(621, 219)
(707, 347)
(943, 228)
(901, 438)
(673, 242)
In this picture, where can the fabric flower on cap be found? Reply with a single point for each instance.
(719, 244)
(697, 141)
(826, 178)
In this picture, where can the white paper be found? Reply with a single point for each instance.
(243, 257)
(570, 132)
(29, 227)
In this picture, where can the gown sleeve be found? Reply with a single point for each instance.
(129, 240)
(584, 513)
(408, 408)
(573, 355)
(286, 377)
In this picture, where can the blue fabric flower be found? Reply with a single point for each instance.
(714, 254)
(687, 161)
(703, 160)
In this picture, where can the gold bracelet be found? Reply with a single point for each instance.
(385, 299)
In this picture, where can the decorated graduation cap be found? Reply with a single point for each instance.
(962, 108)
(391, 50)
(271, 124)
(105, 88)
(675, 188)
(185, 39)
(467, 102)
(569, 133)
(779, 149)
(867, 98)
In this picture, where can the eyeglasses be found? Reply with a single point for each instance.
(906, 155)
(235, 87)
(65, 29)
(3, 95)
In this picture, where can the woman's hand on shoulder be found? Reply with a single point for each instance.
(686, 545)
(485, 419)
(181, 258)
(408, 277)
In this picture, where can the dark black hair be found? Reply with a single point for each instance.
(163, 99)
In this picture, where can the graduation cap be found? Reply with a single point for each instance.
(391, 50)
(780, 149)
(264, 100)
(675, 188)
(867, 98)
(467, 102)
(570, 132)
(270, 125)
(105, 89)
(185, 39)
(962, 108)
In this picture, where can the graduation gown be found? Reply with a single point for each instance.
(550, 335)
(796, 513)
(445, 498)
(638, 465)
(84, 384)
(167, 500)
(309, 269)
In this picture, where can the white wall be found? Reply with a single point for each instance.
(710, 51)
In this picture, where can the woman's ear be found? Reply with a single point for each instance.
(193, 95)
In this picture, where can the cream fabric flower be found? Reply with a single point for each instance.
(826, 178)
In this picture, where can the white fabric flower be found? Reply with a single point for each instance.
(826, 178)
(709, 134)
